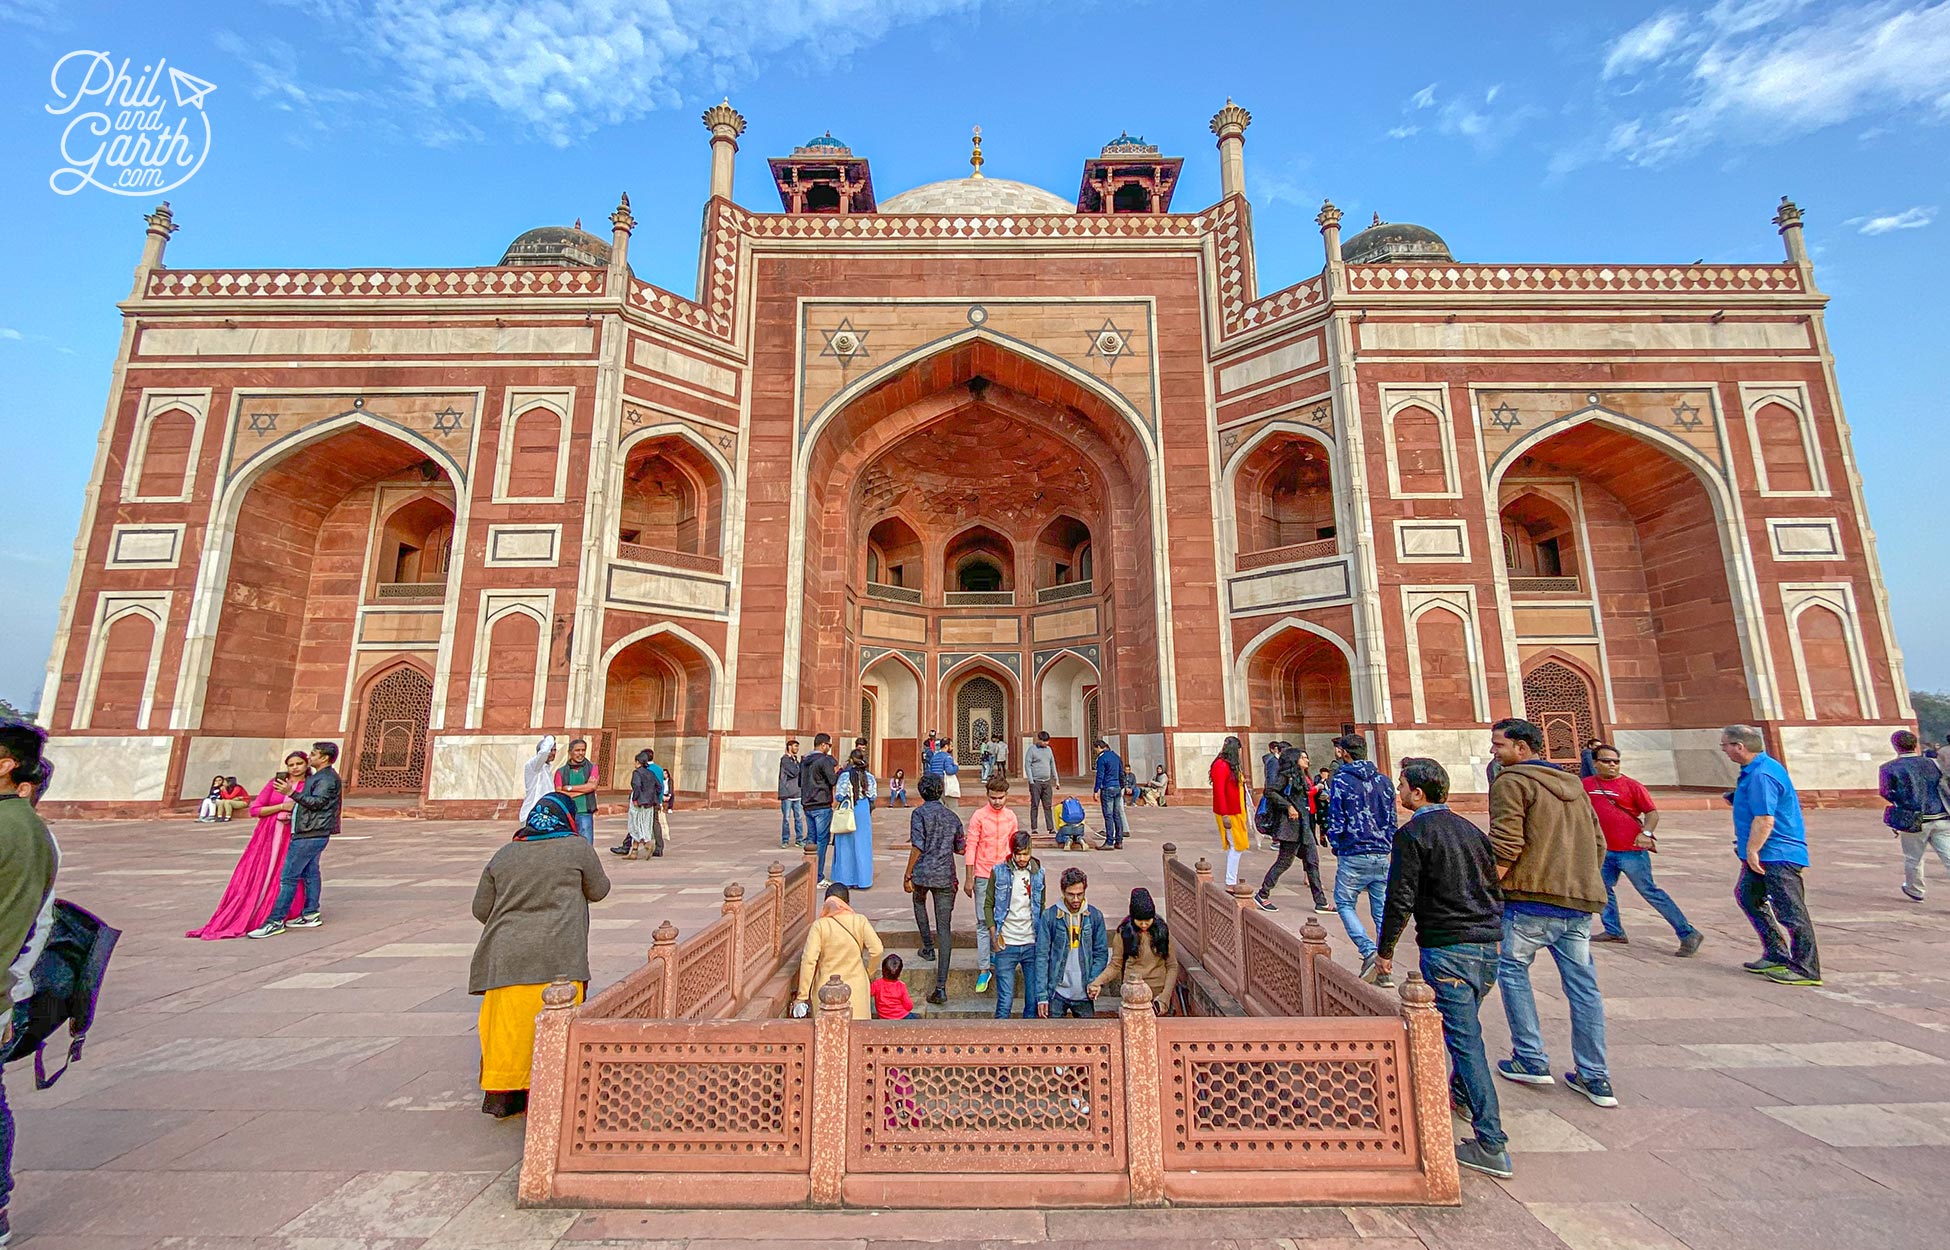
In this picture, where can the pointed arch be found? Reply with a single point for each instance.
(220, 541)
(1363, 709)
(720, 700)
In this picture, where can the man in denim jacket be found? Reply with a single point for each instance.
(1075, 951)
(1015, 901)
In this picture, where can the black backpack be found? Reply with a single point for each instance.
(67, 982)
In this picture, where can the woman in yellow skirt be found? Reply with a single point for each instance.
(533, 901)
(1229, 805)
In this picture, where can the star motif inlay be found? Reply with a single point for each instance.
(1321, 415)
(724, 441)
(1504, 417)
(447, 420)
(1231, 439)
(1109, 341)
(264, 423)
(633, 416)
(844, 343)
(1685, 416)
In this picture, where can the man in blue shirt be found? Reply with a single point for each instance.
(1361, 829)
(1108, 784)
(1772, 845)
(1913, 785)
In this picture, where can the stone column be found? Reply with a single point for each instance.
(545, 1091)
(734, 906)
(1428, 1069)
(1787, 220)
(1329, 221)
(1229, 124)
(725, 124)
(831, 1099)
(621, 223)
(1143, 1096)
(162, 224)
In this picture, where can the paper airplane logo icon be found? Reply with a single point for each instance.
(190, 89)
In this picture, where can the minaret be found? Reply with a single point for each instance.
(1329, 221)
(162, 224)
(1788, 220)
(1230, 123)
(725, 124)
(621, 223)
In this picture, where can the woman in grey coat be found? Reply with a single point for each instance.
(533, 900)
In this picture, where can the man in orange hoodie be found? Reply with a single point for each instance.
(989, 832)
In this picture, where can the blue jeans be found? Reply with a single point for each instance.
(586, 826)
(1568, 939)
(1636, 867)
(819, 827)
(300, 868)
(1112, 801)
(1462, 976)
(1007, 960)
(1353, 876)
(6, 1147)
(1066, 834)
(792, 822)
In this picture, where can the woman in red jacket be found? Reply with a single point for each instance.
(1229, 806)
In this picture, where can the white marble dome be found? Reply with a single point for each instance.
(981, 197)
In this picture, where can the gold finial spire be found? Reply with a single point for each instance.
(975, 160)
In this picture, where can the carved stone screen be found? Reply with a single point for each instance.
(393, 732)
(1558, 701)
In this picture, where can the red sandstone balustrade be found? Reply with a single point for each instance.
(1319, 548)
(636, 553)
(1271, 1107)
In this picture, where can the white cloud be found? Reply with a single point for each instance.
(11, 334)
(562, 68)
(1765, 70)
(1425, 98)
(1484, 126)
(1403, 132)
(1647, 42)
(1909, 219)
(1284, 185)
(1489, 97)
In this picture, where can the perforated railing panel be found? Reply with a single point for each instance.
(682, 1105)
(944, 1098)
(1277, 1103)
(1273, 975)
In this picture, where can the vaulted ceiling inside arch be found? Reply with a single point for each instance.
(980, 463)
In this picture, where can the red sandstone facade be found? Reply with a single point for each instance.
(969, 459)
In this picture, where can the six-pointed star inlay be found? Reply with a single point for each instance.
(1686, 417)
(845, 343)
(264, 423)
(1109, 341)
(447, 420)
(1504, 417)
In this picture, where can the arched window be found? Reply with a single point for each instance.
(534, 449)
(978, 573)
(122, 679)
(1421, 463)
(1783, 452)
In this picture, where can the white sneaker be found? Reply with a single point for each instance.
(270, 928)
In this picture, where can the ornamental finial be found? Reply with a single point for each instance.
(1231, 121)
(975, 159)
(1329, 217)
(1787, 218)
(724, 120)
(163, 222)
(622, 219)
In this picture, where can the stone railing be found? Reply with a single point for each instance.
(633, 1105)
(1576, 279)
(1065, 592)
(893, 594)
(1293, 553)
(1544, 585)
(979, 598)
(637, 553)
(484, 283)
(723, 967)
(410, 592)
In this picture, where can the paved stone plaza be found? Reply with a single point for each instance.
(317, 1091)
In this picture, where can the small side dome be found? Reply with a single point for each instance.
(564, 247)
(822, 145)
(1392, 241)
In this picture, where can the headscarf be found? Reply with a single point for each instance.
(553, 816)
(1290, 770)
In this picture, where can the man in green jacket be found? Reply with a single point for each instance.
(1550, 853)
(27, 863)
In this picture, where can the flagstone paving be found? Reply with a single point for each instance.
(317, 1091)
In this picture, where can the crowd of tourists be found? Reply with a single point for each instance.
(1485, 904)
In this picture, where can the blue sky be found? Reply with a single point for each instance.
(431, 132)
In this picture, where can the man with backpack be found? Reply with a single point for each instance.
(1361, 828)
(28, 860)
(1913, 787)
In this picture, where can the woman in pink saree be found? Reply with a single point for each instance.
(253, 888)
